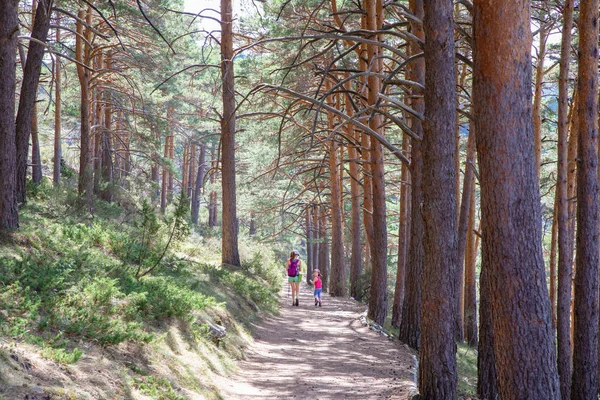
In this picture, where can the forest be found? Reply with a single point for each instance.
(436, 162)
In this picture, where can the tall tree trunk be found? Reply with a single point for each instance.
(337, 275)
(585, 334)
(192, 170)
(463, 231)
(437, 355)
(316, 236)
(410, 325)
(309, 241)
(198, 184)
(28, 94)
(86, 182)
(378, 297)
(356, 256)
(537, 96)
(510, 202)
(403, 238)
(470, 273)
(565, 249)
(323, 247)
(231, 255)
(57, 111)
(165, 176)
(9, 30)
(107, 159)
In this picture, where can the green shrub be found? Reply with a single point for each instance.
(96, 309)
(18, 307)
(165, 297)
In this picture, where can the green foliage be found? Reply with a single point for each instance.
(165, 297)
(157, 387)
(97, 309)
(61, 355)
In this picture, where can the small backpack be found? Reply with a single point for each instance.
(293, 268)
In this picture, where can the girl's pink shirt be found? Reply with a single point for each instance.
(318, 283)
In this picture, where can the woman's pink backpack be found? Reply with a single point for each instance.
(293, 267)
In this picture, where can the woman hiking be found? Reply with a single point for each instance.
(294, 272)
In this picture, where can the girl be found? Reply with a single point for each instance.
(316, 280)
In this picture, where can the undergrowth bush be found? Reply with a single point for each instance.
(165, 297)
(96, 309)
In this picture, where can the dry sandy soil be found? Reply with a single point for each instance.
(315, 353)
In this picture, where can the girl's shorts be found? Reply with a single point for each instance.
(318, 292)
(293, 279)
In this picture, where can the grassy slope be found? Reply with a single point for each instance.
(76, 323)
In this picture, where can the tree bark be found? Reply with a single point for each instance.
(403, 238)
(410, 325)
(198, 184)
(323, 246)
(309, 243)
(337, 275)
(470, 274)
(565, 249)
(9, 31)
(463, 232)
(437, 355)
(537, 96)
(57, 111)
(487, 375)
(378, 296)
(107, 159)
(229, 218)
(356, 256)
(510, 202)
(86, 182)
(585, 334)
(28, 94)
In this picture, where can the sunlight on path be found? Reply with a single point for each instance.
(314, 353)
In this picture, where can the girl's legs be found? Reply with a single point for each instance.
(297, 291)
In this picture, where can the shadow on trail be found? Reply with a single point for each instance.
(310, 352)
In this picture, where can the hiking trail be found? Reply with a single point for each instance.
(321, 353)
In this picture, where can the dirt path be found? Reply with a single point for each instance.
(321, 353)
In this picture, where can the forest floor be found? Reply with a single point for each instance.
(314, 353)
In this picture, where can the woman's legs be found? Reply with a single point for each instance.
(293, 288)
(297, 291)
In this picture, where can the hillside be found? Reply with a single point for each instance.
(76, 323)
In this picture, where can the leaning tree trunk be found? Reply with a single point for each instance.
(510, 202)
(410, 325)
(437, 355)
(28, 94)
(9, 28)
(585, 333)
(231, 255)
